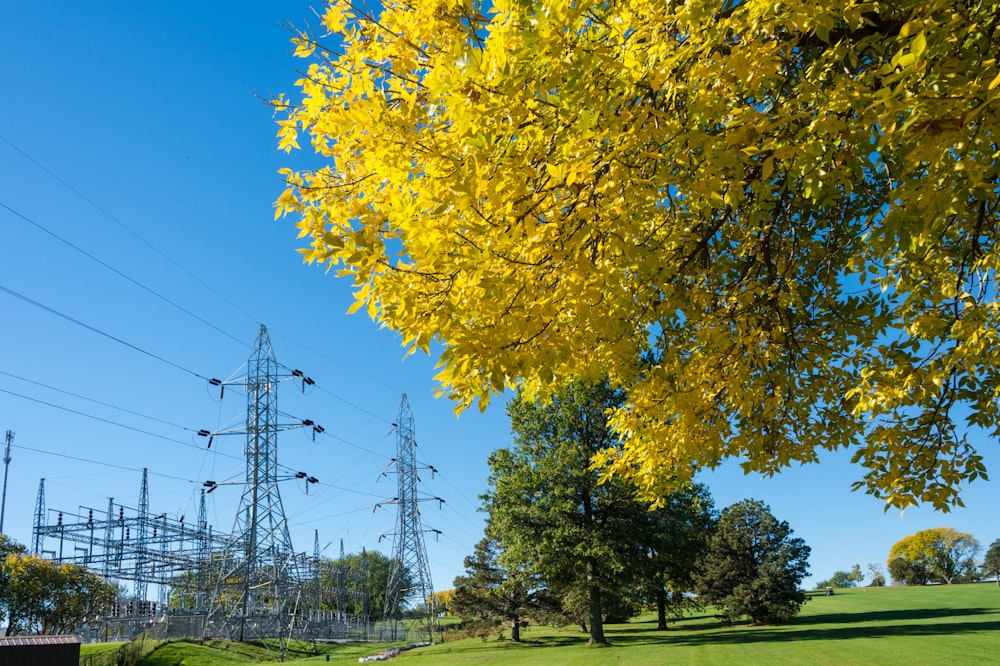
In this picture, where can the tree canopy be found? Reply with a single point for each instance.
(991, 561)
(774, 225)
(40, 596)
(559, 540)
(361, 579)
(492, 595)
(754, 566)
(940, 555)
(547, 511)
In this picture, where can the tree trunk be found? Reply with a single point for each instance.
(661, 609)
(515, 630)
(596, 619)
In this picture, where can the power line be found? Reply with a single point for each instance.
(109, 422)
(120, 273)
(97, 330)
(97, 462)
(124, 226)
(98, 402)
(177, 265)
(136, 235)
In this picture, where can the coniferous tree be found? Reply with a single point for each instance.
(754, 566)
(492, 595)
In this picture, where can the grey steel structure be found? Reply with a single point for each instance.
(409, 586)
(262, 577)
(250, 583)
(127, 544)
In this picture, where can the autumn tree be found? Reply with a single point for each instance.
(754, 566)
(773, 225)
(941, 555)
(42, 596)
(441, 600)
(10, 551)
(547, 510)
(991, 561)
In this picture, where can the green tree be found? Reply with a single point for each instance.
(840, 579)
(358, 582)
(790, 206)
(671, 541)
(40, 596)
(547, 509)
(491, 595)
(991, 561)
(941, 555)
(754, 566)
(908, 572)
(856, 575)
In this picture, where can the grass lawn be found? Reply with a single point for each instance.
(930, 625)
(894, 625)
(100, 654)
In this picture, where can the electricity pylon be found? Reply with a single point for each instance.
(261, 571)
(409, 569)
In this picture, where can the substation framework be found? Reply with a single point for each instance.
(248, 583)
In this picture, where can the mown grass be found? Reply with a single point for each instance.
(931, 625)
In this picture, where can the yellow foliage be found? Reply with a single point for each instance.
(773, 224)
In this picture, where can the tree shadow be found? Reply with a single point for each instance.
(852, 625)
(908, 614)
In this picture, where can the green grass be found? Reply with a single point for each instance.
(934, 625)
(100, 654)
(930, 625)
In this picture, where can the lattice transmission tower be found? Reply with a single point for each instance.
(261, 572)
(409, 585)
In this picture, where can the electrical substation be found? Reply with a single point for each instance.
(249, 582)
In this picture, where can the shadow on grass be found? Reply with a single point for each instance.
(908, 614)
(838, 626)
(850, 625)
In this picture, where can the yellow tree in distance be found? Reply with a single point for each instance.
(772, 224)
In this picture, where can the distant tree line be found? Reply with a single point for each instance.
(941, 555)
(565, 545)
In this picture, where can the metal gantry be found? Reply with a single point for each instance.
(409, 586)
(127, 544)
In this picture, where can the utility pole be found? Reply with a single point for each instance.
(6, 465)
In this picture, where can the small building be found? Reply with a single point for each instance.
(40, 650)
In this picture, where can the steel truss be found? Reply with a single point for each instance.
(409, 586)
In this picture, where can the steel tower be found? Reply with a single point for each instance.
(261, 569)
(409, 571)
(38, 541)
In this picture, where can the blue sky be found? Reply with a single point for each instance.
(134, 133)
